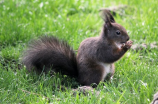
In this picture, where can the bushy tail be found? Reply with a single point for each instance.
(48, 53)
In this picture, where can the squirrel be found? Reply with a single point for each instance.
(94, 61)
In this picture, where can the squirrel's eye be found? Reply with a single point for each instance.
(118, 32)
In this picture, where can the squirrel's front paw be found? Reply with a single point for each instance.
(127, 45)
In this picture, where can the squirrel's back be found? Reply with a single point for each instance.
(49, 53)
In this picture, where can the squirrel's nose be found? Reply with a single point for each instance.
(127, 38)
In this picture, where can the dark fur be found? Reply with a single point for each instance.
(49, 53)
(101, 49)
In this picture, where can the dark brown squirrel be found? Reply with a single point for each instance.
(95, 58)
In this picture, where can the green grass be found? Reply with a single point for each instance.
(136, 77)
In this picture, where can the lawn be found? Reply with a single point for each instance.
(136, 74)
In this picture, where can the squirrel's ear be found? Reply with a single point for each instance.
(110, 17)
(107, 25)
(107, 16)
(107, 22)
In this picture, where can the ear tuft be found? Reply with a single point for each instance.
(107, 16)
